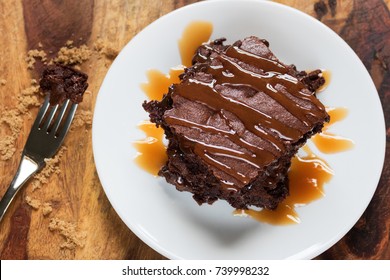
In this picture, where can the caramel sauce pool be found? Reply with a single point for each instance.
(151, 151)
(158, 82)
(193, 36)
(307, 174)
(329, 143)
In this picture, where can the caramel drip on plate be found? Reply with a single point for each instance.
(328, 142)
(195, 33)
(307, 176)
(336, 115)
(151, 150)
(151, 154)
(158, 82)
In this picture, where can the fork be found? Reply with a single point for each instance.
(45, 138)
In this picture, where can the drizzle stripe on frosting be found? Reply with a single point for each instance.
(237, 68)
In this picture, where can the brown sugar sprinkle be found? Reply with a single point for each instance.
(70, 55)
(13, 119)
(7, 147)
(69, 43)
(52, 167)
(33, 55)
(105, 48)
(73, 238)
(29, 98)
(34, 203)
(83, 118)
(46, 208)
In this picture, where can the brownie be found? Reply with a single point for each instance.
(63, 82)
(234, 122)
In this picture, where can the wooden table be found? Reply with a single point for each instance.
(69, 216)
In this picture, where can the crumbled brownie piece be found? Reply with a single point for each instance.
(63, 82)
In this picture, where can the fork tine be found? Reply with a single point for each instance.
(50, 117)
(68, 121)
(59, 117)
(41, 113)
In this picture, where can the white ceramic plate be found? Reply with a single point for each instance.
(171, 222)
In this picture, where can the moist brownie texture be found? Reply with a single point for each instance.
(63, 82)
(234, 122)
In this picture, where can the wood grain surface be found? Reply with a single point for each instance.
(82, 224)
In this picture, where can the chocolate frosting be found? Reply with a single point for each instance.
(240, 109)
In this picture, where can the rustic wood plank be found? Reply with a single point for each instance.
(12, 61)
(75, 194)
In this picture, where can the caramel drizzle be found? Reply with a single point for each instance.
(231, 73)
(231, 135)
(268, 81)
(196, 91)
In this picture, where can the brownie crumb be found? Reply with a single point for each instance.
(73, 238)
(63, 82)
(313, 80)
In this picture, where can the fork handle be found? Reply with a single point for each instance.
(27, 168)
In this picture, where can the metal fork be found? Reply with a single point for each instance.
(46, 136)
